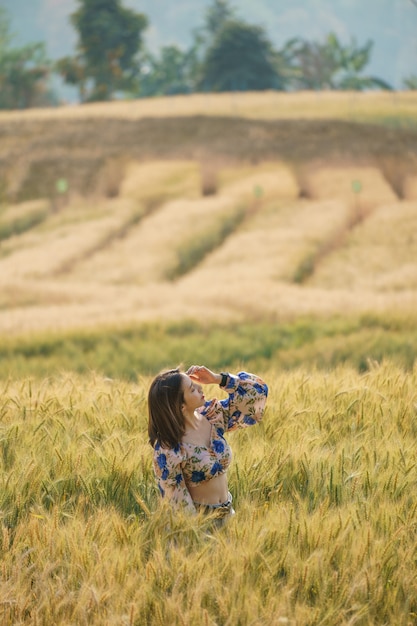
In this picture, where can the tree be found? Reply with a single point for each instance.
(241, 58)
(217, 15)
(110, 37)
(284, 63)
(23, 72)
(330, 65)
(314, 65)
(353, 61)
(73, 71)
(171, 73)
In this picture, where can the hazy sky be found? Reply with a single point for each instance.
(391, 24)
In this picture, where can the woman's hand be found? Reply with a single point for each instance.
(203, 375)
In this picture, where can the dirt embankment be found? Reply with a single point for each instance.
(36, 153)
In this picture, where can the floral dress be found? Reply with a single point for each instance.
(190, 464)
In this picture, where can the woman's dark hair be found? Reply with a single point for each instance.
(165, 400)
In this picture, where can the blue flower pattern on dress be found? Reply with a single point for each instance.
(198, 477)
(190, 464)
(218, 446)
(161, 459)
(216, 469)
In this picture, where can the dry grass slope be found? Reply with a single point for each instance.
(88, 144)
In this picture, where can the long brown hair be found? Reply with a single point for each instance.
(165, 399)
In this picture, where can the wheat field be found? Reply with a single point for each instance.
(324, 533)
(212, 249)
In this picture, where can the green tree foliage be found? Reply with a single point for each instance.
(110, 37)
(240, 58)
(217, 15)
(228, 54)
(23, 72)
(330, 65)
(170, 73)
(73, 71)
(176, 71)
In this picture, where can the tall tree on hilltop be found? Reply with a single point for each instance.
(110, 37)
(217, 15)
(240, 58)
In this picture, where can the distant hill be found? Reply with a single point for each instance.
(391, 24)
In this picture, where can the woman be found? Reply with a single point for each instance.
(191, 456)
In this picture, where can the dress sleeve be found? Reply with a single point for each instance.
(245, 405)
(167, 463)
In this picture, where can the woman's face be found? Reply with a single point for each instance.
(193, 394)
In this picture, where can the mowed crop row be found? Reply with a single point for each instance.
(324, 531)
(253, 247)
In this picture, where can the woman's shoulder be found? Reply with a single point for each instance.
(210, 410)
(173, 455)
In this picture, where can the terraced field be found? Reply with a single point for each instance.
(247, 207)
(262, 246)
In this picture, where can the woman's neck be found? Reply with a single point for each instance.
(192, 422)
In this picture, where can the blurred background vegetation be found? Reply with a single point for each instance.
(227, 53)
